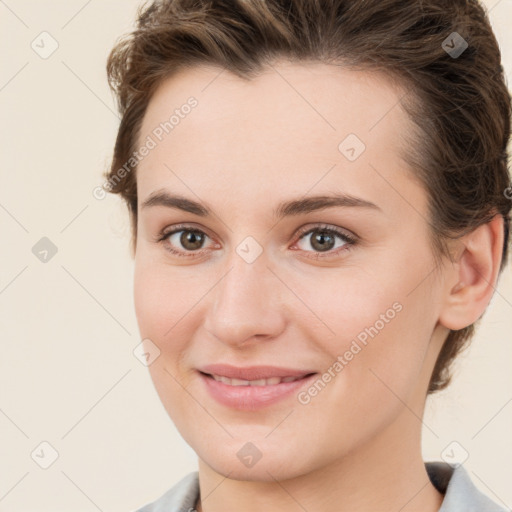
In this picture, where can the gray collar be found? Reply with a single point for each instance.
(461, 495)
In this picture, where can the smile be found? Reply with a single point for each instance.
(252, 395)
(259, 382)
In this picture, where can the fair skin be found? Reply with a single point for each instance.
(246, 147)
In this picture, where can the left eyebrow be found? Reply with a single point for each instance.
(314, 203)
(285, 209)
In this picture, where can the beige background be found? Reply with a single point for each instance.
(68, 375)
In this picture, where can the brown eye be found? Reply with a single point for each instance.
(186, 241)
(191, 240)
(323, 240)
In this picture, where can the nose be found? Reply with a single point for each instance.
(247, 305)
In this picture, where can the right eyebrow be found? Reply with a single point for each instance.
(162, 198)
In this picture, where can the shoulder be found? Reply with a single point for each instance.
(181, 497)
(460, 493)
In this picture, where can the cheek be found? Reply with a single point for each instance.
(160, 306)
(149, 301)
(162, 299)
(381, 324)
(375, 356)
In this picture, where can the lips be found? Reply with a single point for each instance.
(252, 373)
(252, 388)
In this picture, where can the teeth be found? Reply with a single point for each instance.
(272, 381)
(239, 382)
(261, 382)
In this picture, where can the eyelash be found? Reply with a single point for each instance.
(350, 241)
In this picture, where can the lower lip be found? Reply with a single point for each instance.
(252, 398)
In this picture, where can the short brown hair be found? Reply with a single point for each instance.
(461, 104)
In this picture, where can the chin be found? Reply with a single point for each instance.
(236, 463)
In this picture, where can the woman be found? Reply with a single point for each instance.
(318, 196)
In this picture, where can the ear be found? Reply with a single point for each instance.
(472, 279)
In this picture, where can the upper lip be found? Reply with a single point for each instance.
(252, 372)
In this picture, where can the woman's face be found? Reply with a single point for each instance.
(255, 283)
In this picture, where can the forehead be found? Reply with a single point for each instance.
(332, 99)
(294, 125)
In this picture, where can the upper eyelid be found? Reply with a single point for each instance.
(177, 228)
(328, 227)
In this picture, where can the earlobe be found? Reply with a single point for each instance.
(475, 275)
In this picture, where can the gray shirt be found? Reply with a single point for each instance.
(460, 494)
